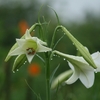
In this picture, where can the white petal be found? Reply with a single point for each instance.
(27, 34)
(42, 42)
(39, 41)
(86, 74)
(87, 78)
(42, 48)
(96, 58)
(75, 58)
(74, 76)
(82, 71)
(20, 41)
(17, 51)
(95, 55)
(29, 57)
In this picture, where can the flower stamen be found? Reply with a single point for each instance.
(30, 51)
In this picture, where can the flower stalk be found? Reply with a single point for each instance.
(47, 76)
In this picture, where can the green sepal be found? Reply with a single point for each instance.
(82, 49)
(61, 78)
(13, 47)
(19, 61)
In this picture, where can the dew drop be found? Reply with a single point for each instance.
(51, 58)
(54, 55)
(24, 63)
(17, 69)
(64, 33)
(76, 49)
(73, 43)
(13, 71)
(95, 70)
(64, 59)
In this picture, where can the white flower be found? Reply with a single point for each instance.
(96, 58)
(81, 70)
(29, 46)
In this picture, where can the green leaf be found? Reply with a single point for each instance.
(56, 15)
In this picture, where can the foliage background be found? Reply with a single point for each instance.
(13, 86)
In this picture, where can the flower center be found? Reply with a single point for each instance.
(30, 51)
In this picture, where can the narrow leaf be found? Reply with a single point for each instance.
(54, 73)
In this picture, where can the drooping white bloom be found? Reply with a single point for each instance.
(29, 46)
(81, 70)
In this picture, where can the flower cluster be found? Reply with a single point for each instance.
(81, 67)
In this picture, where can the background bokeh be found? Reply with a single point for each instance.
(18, 15)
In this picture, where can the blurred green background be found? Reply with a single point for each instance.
(15, 17)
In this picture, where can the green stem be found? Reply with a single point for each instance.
(52, 41)
(33, 27)
(41, 33)
(47, 77)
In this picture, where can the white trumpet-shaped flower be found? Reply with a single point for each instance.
(81, 70)
(29, 46)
